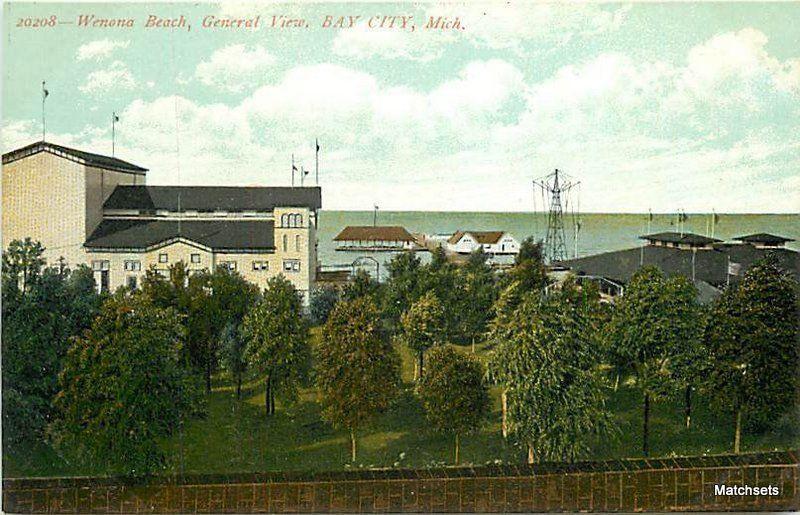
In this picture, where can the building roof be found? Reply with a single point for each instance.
(212, 198)
(482, 237)
(686, 238)
(216, 234)
(763, 238)
(374, 233)
(80, 156)
(711, 266)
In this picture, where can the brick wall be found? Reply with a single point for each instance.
(624, 485)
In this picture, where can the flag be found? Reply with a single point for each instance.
(294, 167)
(650, 215)
(734, 268)
(305, 172)
(116, 118)
(317, 142)
(716, 218)
(45, 93)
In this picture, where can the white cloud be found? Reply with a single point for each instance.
(116, 77)
(100, 49)
(235, 67)
(639, 134)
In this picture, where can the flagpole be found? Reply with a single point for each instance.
(44, 121)
(316, 165)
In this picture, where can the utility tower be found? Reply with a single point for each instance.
(554, 189)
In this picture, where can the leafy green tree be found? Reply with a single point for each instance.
(277, 340)
(547, 364)
(22, 263)
(529, 270)
(362, 285)
(323, 299)
(124, 388)
(357, 369)
(403, 286)
(648, 329)
(752, 340)
(233, 355)
(477, 294)
(37, 324)
(453, 393)
(690, 363)
(422, 327)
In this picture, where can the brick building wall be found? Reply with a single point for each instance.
(624, 485)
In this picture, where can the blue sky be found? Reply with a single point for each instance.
(692, 106)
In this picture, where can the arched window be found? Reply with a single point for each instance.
(298, 220)
(285, 243)
(285, 220)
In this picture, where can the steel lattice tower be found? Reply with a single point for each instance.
(555, 189)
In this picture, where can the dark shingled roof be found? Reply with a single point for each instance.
(374, 233)
(212, 198)
(711, 266)
(482, 237)
(88, 158)
(217, 234)
(763, 238)
(686, 238)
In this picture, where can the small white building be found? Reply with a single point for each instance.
(493, 242)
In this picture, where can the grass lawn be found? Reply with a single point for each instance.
(236, 436)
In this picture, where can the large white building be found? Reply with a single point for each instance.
(97, 210)
(492, 242)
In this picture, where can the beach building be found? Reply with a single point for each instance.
(764, 240)
(493, 242)
(375, 238)
(710, 263)
(97, 210)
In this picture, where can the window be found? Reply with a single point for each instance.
(291, 265)
(99, 266)
(195, 258)
(291, 220)
(297, 242)
(133, 266)
(131, 281)
(285, 243)
(260, 265)
(230, 265)
(163, 258)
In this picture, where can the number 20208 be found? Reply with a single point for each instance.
(37, 22)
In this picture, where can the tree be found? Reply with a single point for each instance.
(361, 285)
(277, 340)
(233, 355)
(752, 340)
(477, 296)
(648, 329)
(422, 327)
(453, 393)
(529, 270)
(323, 299)
(547, 364)
(22, 261)
(37, 324)
(124, 387)
(403, 286)
(357, 369)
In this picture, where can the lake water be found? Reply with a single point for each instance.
(599, 232)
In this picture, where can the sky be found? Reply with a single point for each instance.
(681, 106)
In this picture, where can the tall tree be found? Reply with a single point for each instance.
(357, 369)
(422, 327)
(362, 285)
(37, 325)
(648, 329)
(529, 270)
(453, 394)
(547, 364)
(752, 340)
(323, 299)
(23, 262)
(277, 340)
(233, 355)
(403, 286)
(124, 388)
(477, 294)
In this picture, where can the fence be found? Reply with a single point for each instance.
(608, 486)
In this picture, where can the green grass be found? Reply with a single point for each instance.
(236, 436)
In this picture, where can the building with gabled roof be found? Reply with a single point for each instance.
(679, 240)
(374, 238)
(91, 209)
(492, 242)
(764, 240)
